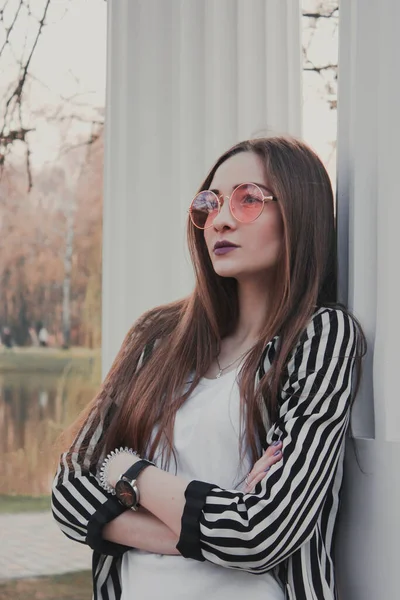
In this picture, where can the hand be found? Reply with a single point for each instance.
(118, 465)
(263, 464)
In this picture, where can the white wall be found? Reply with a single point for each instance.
(369, 215)
(186, 79)
(184, 82)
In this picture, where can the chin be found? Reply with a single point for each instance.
(226, 271)
(227, 275)
(242, 275)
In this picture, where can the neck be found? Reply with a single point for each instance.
(254, 300)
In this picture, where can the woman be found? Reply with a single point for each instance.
(250, 375)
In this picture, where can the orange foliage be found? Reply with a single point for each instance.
(33, 238)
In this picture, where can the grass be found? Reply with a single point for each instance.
(10, 504)
(46, 360)
(70, 586)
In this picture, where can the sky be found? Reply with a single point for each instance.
(319, 121)
(70, 61)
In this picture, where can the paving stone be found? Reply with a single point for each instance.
(34, 545)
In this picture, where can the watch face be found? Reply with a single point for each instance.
(125, 493)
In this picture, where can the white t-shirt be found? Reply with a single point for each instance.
(206, 441)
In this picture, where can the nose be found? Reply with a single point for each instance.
(224, 219)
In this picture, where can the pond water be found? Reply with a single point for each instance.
(34, 409)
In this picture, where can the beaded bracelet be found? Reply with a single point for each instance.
(105, 467)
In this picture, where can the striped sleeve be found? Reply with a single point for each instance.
(255, 532)
(80, 505)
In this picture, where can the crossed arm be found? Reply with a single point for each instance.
(161, 494)
(269, 524)
(143, 531)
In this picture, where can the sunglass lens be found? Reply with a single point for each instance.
(247, 202)
(203, 210)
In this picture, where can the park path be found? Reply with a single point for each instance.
(32, 545)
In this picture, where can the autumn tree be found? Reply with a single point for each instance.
(43, 225)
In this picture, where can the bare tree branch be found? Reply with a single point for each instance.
(327, 10)
(28, 153)
(92, 138)
(79, 118)
(20, 85)
(65, 99)
(9, 30)
(319, 69)
(12, 112)
(319, 15)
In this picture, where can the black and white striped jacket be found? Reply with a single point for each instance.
(288, 523)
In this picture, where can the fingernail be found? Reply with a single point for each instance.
(276, 443)
(277, 452)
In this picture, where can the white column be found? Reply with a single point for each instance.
(369, 216)
(186, 79)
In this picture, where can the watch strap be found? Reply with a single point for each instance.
(134, 471)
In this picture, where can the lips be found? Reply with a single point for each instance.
(223, 247)
(224, 244)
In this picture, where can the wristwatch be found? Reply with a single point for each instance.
(126, 489)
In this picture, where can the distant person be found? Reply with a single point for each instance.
(43, 337)
(7, 337)
(34, 336)
(237, 398)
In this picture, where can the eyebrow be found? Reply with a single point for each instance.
(261, 185)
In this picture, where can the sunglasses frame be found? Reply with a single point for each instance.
(219, 196)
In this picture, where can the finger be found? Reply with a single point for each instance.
(269, 452)
(256, 478)
(269, 457)
(261, 466)
(251, 485)
(250, 488)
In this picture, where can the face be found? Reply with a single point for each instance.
(259, 242)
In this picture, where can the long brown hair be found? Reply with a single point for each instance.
(184, 337)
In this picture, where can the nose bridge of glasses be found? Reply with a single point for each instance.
(222, 198)
(222, 203)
